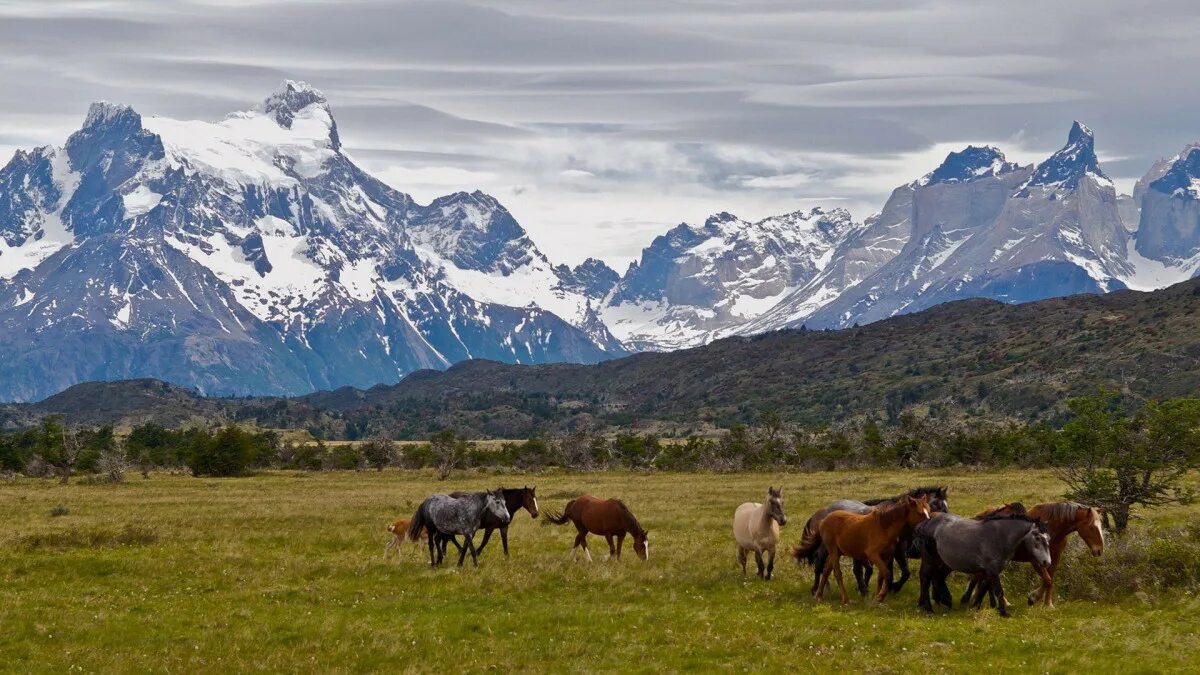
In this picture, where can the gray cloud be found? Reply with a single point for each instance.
(613, 120)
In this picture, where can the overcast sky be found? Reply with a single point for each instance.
(601, 124)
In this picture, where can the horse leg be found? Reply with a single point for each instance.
(758, 559)
(620, 544)
(941, 592)
(998, 589)
(926, 579)
(836, 562)
(983, 587)
(612, 550)
(390, 545)
(884, 583)
(503, 540)
(432, 541)
(770, 563)
(741, 556)
(900, 561)
(471, 548)
(966, 596)
(579, 540)
(1047, 589)
(818, 567)
(860, 576)
(823, 575)
(487, 534)
(586, 552)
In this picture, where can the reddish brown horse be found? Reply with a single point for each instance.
(871, 536)
(606, 517)
(1061, 519)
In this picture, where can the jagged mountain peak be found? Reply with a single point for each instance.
(1182, 176)
(1073, 161)
(970, 163)
(104, 113)
(293, 98)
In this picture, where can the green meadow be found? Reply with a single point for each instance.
(283, 571)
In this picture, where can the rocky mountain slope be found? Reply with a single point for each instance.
(961, 360)
(252, 255)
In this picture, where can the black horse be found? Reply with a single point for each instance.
(514, 499)
(812, 551)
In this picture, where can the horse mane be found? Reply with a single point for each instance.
(1013, 507)
(631, 521)
(1063, 512)
(891, 511)
(1021, 516)
(935, 490)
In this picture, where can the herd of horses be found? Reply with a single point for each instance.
(878, 535)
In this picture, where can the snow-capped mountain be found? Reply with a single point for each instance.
(696, 283)
(980, 226)
(252, 255)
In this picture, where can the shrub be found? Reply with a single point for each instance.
(1142, 560)
(379, 452)
(344, 457)
(59, 511)
(227, 453)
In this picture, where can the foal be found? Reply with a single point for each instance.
(399, 530)
(872, 535)
(756, 528)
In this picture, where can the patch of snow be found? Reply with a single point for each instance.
(141, 200)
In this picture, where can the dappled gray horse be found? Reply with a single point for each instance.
(977, 547)
(445, 516)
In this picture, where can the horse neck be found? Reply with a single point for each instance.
(514, 499)
(1057, 527)
(631, 523)
(892, 518)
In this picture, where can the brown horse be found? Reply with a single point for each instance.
(399, 530)
(606, 517)
(872, 536)
(1061, 519)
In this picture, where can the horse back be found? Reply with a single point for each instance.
(598, 516)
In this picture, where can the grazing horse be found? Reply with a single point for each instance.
(872, 536)
(399, 530)
(515, 499)
(1061, 519)
(813, 552)
(606, 517)
(445, 516)
(756, 528)
(977, 547)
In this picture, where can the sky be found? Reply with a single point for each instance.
(602, 124)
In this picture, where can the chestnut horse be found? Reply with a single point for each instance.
(872, 536)
(1061, 519)
(606, 517)
(812, 552)
(399, 530)
(756, 528)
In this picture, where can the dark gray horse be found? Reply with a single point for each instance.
(950, 543)
(445, 516)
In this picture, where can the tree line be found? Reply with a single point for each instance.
(1105, 453)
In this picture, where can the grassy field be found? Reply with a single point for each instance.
(283, 572)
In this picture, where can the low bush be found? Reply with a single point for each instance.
(98, 537)
(1143, 560)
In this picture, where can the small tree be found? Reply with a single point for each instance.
(448, 451)
(227, 453)
(112, 463)
(58, 447)
(1118, 462)
(379, 452)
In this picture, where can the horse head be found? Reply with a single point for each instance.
(938, 502)
(775, 506)
(1037, 543)
(493, 502)
(916, 509)
(530, 502)
(1092, 528)
(641, 544)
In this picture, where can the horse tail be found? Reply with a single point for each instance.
(810, 541)
(559, 518)
(418, 522)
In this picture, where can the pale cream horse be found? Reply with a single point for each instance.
(756, 528)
